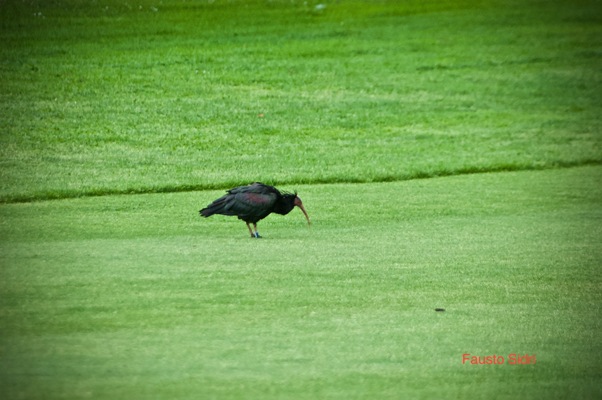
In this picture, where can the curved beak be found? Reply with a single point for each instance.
(299, 204)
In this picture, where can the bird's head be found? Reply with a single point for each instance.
(299, 204)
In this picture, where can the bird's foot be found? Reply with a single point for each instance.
(257, 235)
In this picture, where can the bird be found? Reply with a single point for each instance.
(254, 202)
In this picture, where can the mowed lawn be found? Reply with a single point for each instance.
(138, 297)
(119, 120)
(117, 97)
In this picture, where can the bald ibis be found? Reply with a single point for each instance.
(253, 203)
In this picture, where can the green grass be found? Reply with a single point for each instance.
(113, 97)
(136, 297)
(113, 113)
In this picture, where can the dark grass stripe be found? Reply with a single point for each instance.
(70, 194)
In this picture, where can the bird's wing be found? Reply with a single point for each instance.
(251, 203)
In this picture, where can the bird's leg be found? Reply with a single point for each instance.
(256, 233)
(250, 230)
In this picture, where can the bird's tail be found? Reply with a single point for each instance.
(217, 207)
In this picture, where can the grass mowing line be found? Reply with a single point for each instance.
(61, 195)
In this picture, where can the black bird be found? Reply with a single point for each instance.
(253, 203)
